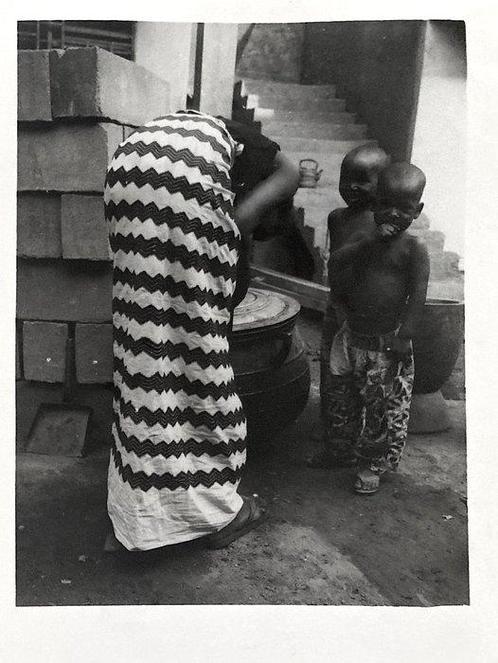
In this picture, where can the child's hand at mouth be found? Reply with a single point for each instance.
(386, 230)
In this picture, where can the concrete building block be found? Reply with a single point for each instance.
(64, 290)
(84, 228)
(39, 225)
(29, 397)
(33, 85)
(44, 351)
(93, 353)
(93, 83)
(127, 131)
(66, 157)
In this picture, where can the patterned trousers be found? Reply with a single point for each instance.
(365, 400)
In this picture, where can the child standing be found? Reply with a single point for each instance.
(371, 358)
(357, 185)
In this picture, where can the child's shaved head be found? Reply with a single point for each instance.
(366, 156)
(399, 191)
(359, 172)
(402, 177)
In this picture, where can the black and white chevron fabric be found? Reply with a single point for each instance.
(178, 446)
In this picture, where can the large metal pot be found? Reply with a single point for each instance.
(269, 362)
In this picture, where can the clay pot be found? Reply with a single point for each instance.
(436, 348)
(437, 343)
(270, 365)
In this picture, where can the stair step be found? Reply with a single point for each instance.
(324, 198)
(272, 93)
(321, 201)
(317, 130)
(303, 103)
(304, 117)
(330, 164)
(434, 239)
(441, 272)
(256, 85)
(448, 288)
(445, 261)
(421, 223)
(315, 215)
(317, 222)
(314, 146)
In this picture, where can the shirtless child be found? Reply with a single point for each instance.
(357, 185)
(371, 358)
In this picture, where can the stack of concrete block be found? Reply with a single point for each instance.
(74, 108)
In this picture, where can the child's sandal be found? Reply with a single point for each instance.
(367, 484)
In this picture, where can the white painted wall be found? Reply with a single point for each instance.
(439, 146)
(218, 68)
(164, 49)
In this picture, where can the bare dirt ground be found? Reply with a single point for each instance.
(322, 544)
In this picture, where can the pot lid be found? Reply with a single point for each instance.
(264, 308)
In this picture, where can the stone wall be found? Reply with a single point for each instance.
(74, 108)
(273, 52)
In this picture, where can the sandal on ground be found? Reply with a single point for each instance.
(250, 516)
(366, 482)
(327, 461)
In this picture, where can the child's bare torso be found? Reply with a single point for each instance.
(373, 289)
(345, 222)
(376, 297)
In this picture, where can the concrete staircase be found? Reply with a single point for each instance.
(309, 121)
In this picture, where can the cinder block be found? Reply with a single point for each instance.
(64, 290)
(69, 157)
(29, 397)
(91, 82)
(127, 131)
(93, 353)
(33, 85)
(44, 351)
(84, 228)
(39, 225)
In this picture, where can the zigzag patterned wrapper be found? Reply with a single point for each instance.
(179, 429)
